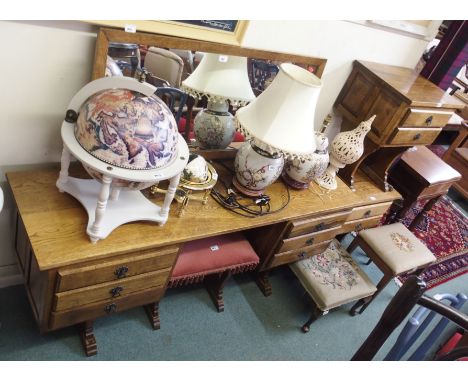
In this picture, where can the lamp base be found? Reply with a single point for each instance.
(294, 183)
(245, 190)
(214, 126)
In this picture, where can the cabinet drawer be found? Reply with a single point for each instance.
(298, 254)
(360, 224)
(153, 260)
(368, 211)
(319, 223)
(309, 239)
(111, 290)
(407, 136)
(427, 118)
(104, 308)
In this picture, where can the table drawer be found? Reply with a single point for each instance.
(111, 290)
(298, 254)
(414, 136)
(319, 223)
(427, 118)
(360, 224)
(309, 239)
(78, 277)
(103, 308)
(368, 211)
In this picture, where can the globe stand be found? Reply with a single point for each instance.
(108, 207)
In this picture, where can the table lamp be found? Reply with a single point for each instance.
(223, 80)
(279, 124)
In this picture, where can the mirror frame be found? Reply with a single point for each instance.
(107, 35)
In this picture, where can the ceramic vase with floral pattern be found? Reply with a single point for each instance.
(214, 126)
(257, 166)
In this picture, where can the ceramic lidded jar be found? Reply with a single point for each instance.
(129, 130)
(214, 126)
(300, 172)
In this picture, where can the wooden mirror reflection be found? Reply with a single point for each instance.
(131, 52)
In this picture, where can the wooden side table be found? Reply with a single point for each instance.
(418, 175)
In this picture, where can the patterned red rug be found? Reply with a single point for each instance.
(444, 230)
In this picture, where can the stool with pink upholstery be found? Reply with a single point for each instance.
(213, 260)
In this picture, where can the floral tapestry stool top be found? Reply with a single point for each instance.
(332, 278)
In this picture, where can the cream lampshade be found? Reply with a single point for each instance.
(280, 123)
(223, 80)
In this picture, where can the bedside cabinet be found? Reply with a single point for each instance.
(410, 111)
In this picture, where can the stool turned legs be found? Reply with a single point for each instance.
(316, 314)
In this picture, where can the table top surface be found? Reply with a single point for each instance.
(428, 167)
(56, 222)
(417, 90)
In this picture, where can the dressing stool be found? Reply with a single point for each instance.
(395, 251)
(331, 278)
(213, 260)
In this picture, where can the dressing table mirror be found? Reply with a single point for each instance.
(258, 60)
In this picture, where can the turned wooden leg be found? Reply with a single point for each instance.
(100, 208)
(263, 283)
(316, 313)
(214, 284)
(173, 183)
(153, 314)
(400, 216)
(87, 338)
(426, 209)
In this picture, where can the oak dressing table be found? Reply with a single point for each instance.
(70, 281)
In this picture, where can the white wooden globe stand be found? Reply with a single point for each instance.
(109, 207)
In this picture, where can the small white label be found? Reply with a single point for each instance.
(222, 58)
(214, 247)
(129, 28)
(372, 198)
(271, 168)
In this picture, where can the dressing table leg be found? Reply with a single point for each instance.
(263, 283)
(87, 338)
(153, 314)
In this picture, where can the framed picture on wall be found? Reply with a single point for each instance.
(221, 31)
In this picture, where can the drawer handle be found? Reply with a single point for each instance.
(429, 120)
(310, 241)
(358, 227)
(416, 137)
(111, 308)
(319, 226)
(121, 272)
(115, 292)
(302, 255)
(367, 213)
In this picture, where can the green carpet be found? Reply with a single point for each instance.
(252, 327)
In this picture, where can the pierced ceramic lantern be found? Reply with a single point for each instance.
(347, 147)
(299, 172)
(127, 140)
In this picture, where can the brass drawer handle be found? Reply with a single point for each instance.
(319, 226)
(115, 292)
(302, 255)
(367, 213)
(310, 241)
(111, 308)
(121, 272)
(358, 227)
(417, 136)
(428, 120)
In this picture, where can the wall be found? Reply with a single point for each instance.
(45, 63)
